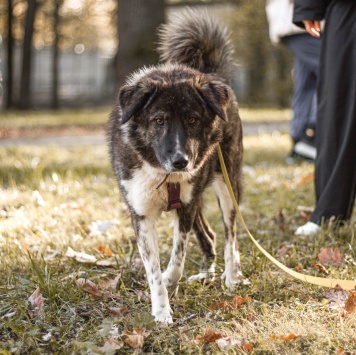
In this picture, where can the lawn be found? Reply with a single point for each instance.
(65, 232)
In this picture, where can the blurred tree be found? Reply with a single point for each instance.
(10, 55)
(137, 29)
(55, 52)
(25, 87)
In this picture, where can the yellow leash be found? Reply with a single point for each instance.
(320, 281)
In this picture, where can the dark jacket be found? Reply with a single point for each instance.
(313, 10)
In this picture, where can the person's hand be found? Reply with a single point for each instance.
(313, 27)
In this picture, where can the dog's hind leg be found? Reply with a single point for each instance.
(206, 238)
(148, 247)
(232, 273)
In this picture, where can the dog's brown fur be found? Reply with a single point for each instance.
(169, 120)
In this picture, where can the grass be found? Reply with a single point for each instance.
(51, 197)
(99, 116)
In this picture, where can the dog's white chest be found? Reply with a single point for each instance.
(143, 195)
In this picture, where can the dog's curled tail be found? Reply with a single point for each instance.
(195, 39)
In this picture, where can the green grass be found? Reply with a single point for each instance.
(63, 117)
(49, 198)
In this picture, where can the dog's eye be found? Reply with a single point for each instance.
(191, 120)
(160, 121)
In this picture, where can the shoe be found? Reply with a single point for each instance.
(305, 150)
(309, 228)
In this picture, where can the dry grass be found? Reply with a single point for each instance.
(100, 116)
(50, 198)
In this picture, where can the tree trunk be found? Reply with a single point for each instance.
(138, 22)
(55, 57)
(10, 52)
(25, 89)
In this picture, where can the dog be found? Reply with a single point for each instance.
(163, 136)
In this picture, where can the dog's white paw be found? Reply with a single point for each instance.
(164, 317)
(202, 276)
(233, 280)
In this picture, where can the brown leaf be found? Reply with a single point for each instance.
(306, 179)
(110, 283)
(104, 249)
(112, 344)
(118, 311)
(136, 338)
(248, 347)
(320, 267)
(330, 257)
(350, 304)
(37, 303)
(93, 289)
(229, 306)
(209, 336)
(285, 337)
(280, 220)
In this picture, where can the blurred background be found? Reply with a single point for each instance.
(76, 53)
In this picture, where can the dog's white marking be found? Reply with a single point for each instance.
(143, 196)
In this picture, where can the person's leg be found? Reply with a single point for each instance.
(306, 50)
(335, 166)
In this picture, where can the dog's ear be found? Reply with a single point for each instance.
(134, 97)
(216, 95)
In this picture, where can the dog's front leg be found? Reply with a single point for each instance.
(174, 270)
(148, 248)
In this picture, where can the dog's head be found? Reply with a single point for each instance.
(173, 115)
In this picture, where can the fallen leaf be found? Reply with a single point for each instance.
(100, 227)
(336, 297)
(37, 303)
(228, 343)
(81, 257)
(236, 303)
(306, 179)
(209, 336)
(110, 283)
(336, 293)
(350, 303)
(90, 287)
(321, 268)
(104, 249)
(330, 257)
(280, 220)
(107, 262)
(112, 344)
(136, 338)
(285, 337)
(248, 347)
(118, 311)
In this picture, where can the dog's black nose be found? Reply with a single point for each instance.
(180, 163)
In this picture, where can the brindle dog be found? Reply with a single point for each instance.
(163, 137)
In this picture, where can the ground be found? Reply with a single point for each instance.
(71, 280)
